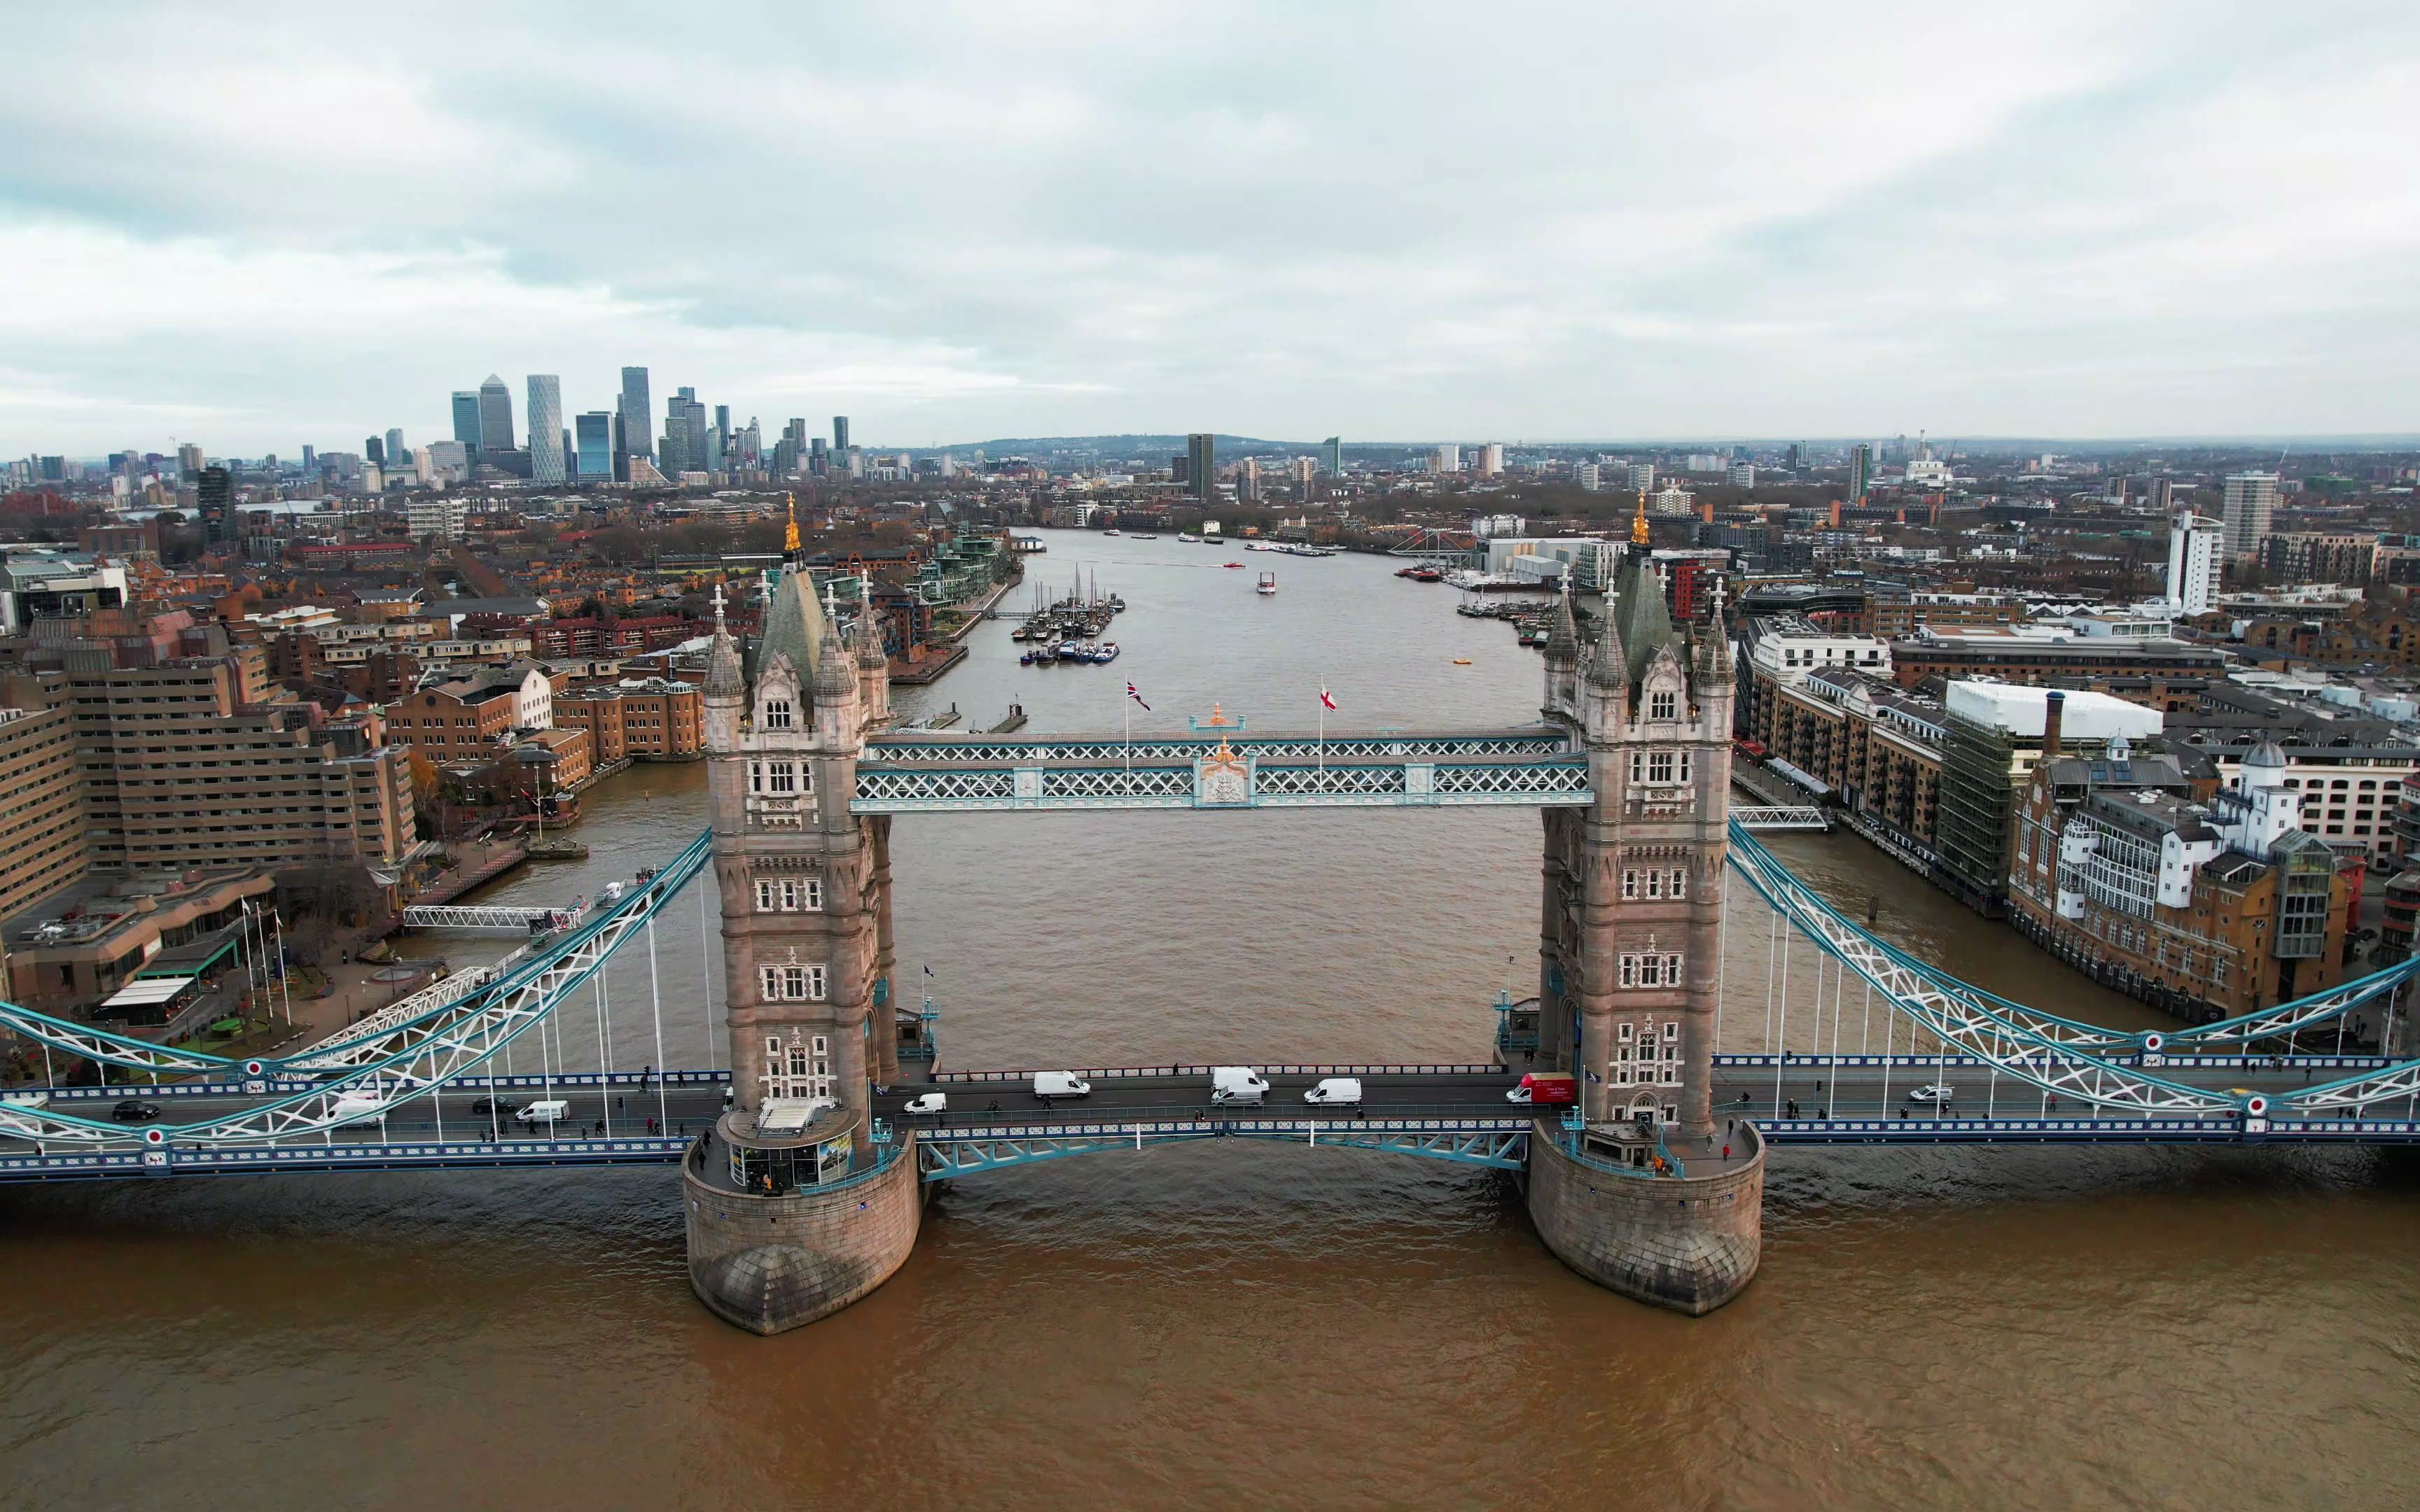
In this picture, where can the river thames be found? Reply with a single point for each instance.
(1192, 1325)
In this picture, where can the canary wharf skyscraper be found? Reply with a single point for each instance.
(545, 427)
(636, 412)
(495, 417)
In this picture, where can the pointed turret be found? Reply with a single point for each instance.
(1714, 662)
(723, 678)
(834, 677)
(1609, 667)
(1563, 639)
(868, 631)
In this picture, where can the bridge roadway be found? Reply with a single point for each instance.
(1163, 1095)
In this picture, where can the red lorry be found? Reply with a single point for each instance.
(1547, 1088)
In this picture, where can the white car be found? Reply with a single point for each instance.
(929, 1103)
(1933, 1093)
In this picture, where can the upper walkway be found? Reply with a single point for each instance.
(1220, 766)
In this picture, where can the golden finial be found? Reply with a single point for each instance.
(790, 536)
(1639, 526)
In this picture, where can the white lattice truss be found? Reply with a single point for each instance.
(1803, 817)
(403, 1061)
(460, 916)
(2055, 1054)
(1557, 780)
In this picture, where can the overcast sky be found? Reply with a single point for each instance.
(259, 226)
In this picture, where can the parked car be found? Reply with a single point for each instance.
(135, 1111)
(1932, 1092)
(928, 1102)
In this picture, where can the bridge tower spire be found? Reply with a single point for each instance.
(794, 1209)
(1628, 971)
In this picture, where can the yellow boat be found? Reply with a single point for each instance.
(1462, 661)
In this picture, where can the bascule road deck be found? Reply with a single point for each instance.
(1815, 1103)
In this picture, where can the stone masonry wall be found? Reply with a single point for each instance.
(1691, 1243)
(770, 1264)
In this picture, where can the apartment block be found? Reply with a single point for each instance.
(649, 720)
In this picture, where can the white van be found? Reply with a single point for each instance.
(928, 1102)
(1335, 1091)
(1056, 1084)
(360, 1113)
(544, 1112)
(1237, 1084)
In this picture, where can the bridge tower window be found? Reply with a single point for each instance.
(1664, 705)
(779, 779)
(1649, 969)
(792, 983)
(789, 895)
(799, 1067)
(777, 714)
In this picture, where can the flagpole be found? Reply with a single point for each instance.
(1323, 726)
(1130, 719)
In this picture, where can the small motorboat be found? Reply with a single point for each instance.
(1268, 584)
(1462, 661)
(1235, 565)
(1104, 654)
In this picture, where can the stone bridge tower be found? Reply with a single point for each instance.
(794, 1210)
(1630, 929)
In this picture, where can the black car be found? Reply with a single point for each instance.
(132, 1111)
(500, 1107)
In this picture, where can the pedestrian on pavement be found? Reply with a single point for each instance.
(1726, 1152)
(1731, 1126)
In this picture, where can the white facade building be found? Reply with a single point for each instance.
(448, 519)
(2193, 541)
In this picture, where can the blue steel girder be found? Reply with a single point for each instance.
(1501, 1144)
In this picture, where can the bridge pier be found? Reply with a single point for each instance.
(1689, 1243)
(769, 1264)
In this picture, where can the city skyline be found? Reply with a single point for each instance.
(2089, 222)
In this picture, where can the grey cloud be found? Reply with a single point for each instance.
(1580, 220)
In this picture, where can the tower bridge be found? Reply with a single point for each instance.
(802, 1169)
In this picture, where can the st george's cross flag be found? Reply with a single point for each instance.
(1327, 699)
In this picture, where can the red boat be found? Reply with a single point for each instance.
(1232, 564)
